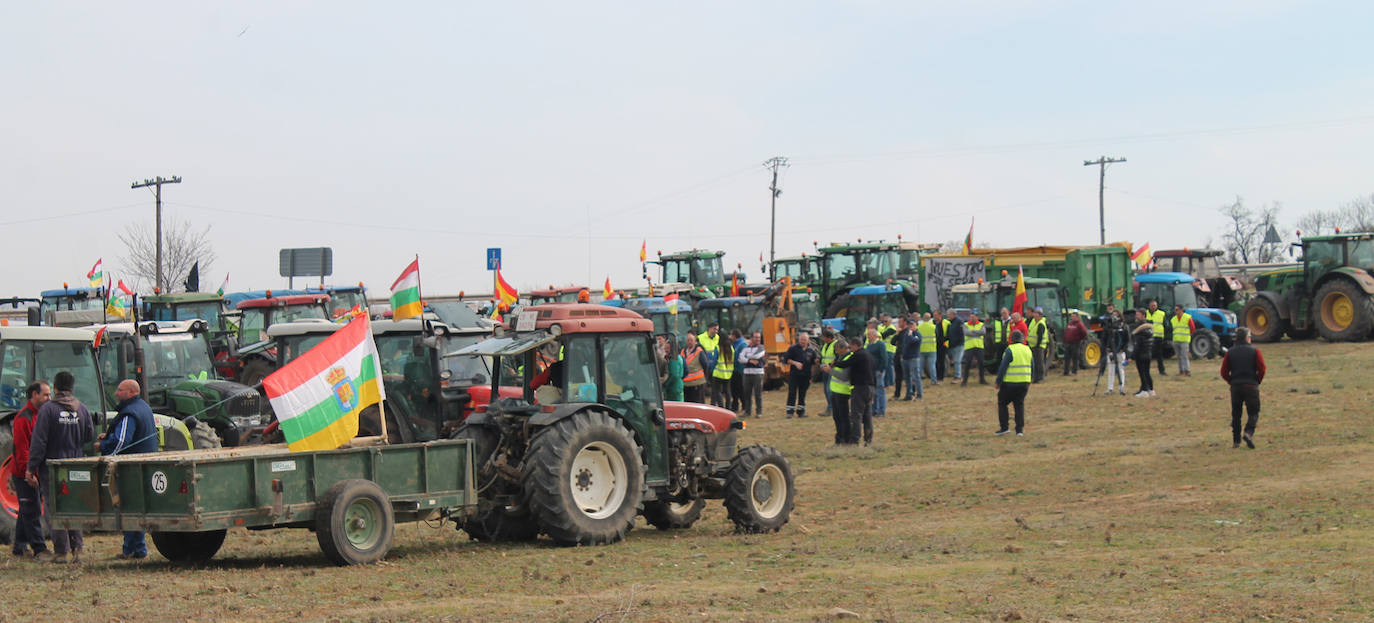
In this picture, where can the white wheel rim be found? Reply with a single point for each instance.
(768, 491)
(598, 480)
(680, 508)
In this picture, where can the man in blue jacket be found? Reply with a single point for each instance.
(132, 432)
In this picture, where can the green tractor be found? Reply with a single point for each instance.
(988, 299)
(172, 361)
(1331, 294)
(860, 279)
(704, 270)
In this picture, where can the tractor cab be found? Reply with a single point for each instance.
(256, 315)
(565, 294)
(676, 319)
(72, 307)
(804, 270)
(1216, 327)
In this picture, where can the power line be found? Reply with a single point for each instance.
(157, 183)
(38, 219)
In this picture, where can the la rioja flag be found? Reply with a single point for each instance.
(318, 396)
(405, 293)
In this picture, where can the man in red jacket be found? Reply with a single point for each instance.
(28, 531)
(1243, 368)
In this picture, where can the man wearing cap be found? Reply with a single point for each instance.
(1038, 339)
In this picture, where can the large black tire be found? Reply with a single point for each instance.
(9, 500)
(1343, 312)
(188, 547)
(759, 490)
(584, 479)
(254, 371)
(203, 437)
(1261, 317)
(1204, 345)
(497, 524)
(1295, 333)
(668, 515)
(1092, 353)
(354, 523)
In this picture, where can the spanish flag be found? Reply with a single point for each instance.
(606, 292)
(1019, 301)
(317, 397)
(1142, 256)
(504, 292)
(643, 250)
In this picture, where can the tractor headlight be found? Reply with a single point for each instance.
(1230, 317)
(246, 421)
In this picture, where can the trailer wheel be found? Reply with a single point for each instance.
(1092, 353)
(1343, 311)
(188, 547)
(669, 515)
(759, 490)
(354, 523)
(584, 479)
(1262, 319)
(1204, 345)
(9, 499)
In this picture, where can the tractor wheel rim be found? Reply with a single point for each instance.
(1258, 319)
(599, 480)
(768, 491)
(1339, 310)
(1092, 353)
(362, 523)
(680, 508)
(8, 498)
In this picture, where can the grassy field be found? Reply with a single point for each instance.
(1110, 509)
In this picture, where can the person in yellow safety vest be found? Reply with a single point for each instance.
(828, 338)
(941, 344)
(1158, 318)
(1181, 323)
(1038, 340)
(996, 342)
(1013, 382)
(840, 389)
(888, 331)
(928, 349)
(694, 378)
(973, 348)
(721, 375)
(710, 345)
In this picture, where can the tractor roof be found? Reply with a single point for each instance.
(872, 290)
(694, 254)
(283, 301)
(72, 292)
(183, 297)
(730, 301)
(47, 334)
(317, 326)
(843, 247)
(583, 318)
(1188, 253)
(552, 291)
(1165, 277)
(1340, 237)
(154, 326)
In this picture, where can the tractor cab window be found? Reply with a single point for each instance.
(579, 369)
(840, 267)
(878, 264)
(709, 270)
(1362, 254)
(1322, 256)
(408, 375)
(1184, 295)
(251, 325)
(175, 357)
(209, 312)
(631, 375)
(293, 313)
(15, 376)
(677, 271)
(75, 357)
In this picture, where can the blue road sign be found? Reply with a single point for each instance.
(494, 259)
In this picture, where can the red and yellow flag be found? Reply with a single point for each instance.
(505, 293)
(606, 292)
(1142, 256)
(1019, 301)
(644, 250)
(734, 284)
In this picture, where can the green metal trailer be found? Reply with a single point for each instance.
(351, 497)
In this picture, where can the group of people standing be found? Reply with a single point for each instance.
(53, 424)
(725, 371)
(1144, 335)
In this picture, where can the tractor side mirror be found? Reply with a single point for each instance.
(35, 317)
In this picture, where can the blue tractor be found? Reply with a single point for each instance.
(1216, 328)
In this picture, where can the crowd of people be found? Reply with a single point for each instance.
(910, 353)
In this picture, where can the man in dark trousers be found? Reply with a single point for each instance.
(862, 376)
(1243, 368)
(840, 388)
(132, 432)
(1013, 381)
(800, 358)
(941, 344)
(61, 430)
(28, 527)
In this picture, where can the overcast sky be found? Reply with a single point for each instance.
(568, 132)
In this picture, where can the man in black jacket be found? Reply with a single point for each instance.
(1243, 367)
(861, 376)
(62, 429)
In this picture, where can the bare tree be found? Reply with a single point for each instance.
(182, 248)
(1243, 238)
(1356, 215)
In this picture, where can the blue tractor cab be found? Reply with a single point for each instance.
(1216, 328)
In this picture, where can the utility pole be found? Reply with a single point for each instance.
(157, 183)
(1102, 162)
(774, 163)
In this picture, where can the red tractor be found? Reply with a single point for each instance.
(590, 443)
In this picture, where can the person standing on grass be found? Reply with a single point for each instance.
(827, 359)
(1183, 327)
(974, 333)
(133, 431)
(1013, 383)
(800, 359)
(28, 526)
(926, 332)
(862, 374)
(61, 431)
(1074, 337)
(876, 347)
(694, 363)
(721, 374)
(738, 343)
(1160, 332)
(750, 363)
(941, 344)
(1142, 336)
(840, 389)
(1038, 340)
(910, 350)
(1243, 368)
(954, 338)
(672, 381)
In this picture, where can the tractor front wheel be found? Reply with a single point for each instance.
(759, 490)
(1343, 311)
(584, 479)
(1205, 345)
(669, 515)
(1261, 317)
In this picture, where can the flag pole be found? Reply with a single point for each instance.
(381, 396)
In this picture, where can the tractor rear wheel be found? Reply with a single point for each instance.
(1205, 345)
(1261, 317)
(9, 499)
(188, 547)
(584, 479)
(354, 522)
(499, 523)
(669, 515)
(1343, 311)
(759, 490)
(1092, 353)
